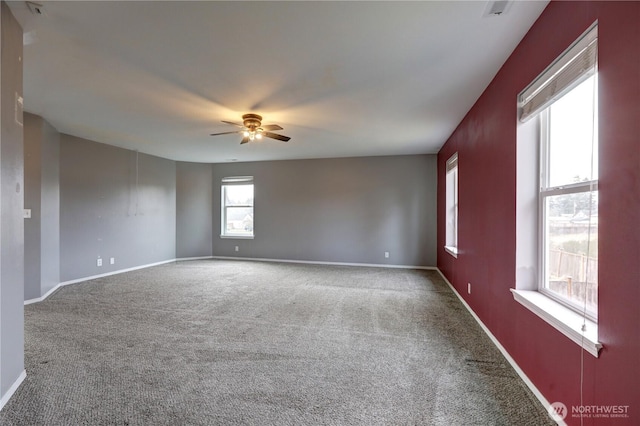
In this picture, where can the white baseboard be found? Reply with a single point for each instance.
(501, 348)
(14, 387)
(41, 298)
(313, 262)
(93, 277)
(182, 259)
(119, 271)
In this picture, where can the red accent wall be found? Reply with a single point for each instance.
(486, 144)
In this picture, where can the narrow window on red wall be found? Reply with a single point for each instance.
(565, 97)
(451, 240)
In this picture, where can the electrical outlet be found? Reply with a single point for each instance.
(469, 288)
(112, 260)
(237, 248)
(27, 213)
(99, 263)
(386, 254)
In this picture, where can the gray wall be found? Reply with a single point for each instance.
(42, 196)
(50, 209)
(11, 205)
(32, 188)
(194, 203)
(111, 208)
(338, 210)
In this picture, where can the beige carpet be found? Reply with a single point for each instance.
(251, 343)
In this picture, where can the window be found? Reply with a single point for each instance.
(568, 199)
(237, 207)
(557, 266)
(451, 238)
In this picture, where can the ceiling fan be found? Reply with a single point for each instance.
(252, 128)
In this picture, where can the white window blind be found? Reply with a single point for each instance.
(237, 180)
(575, 65)
(452, 162)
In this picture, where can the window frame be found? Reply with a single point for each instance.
(561, 76)
(228, 182)
(545, 191)
(452, 218)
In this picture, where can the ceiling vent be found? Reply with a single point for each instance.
(497, 8)
(35, 8)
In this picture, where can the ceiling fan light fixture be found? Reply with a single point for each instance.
(252, 129)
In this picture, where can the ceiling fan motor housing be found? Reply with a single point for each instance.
(252, 121)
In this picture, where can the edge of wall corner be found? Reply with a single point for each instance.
(14, 387)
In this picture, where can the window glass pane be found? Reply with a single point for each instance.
(238, 195)
(239, 220)
(571, 248)
(572, 124)
(237, 210)
(451, 223)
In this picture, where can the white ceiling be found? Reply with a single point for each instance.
(343, 78)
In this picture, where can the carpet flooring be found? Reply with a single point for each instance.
(253, 343)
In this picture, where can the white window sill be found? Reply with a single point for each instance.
(561, 318)
(453, 251)
(237, 237)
